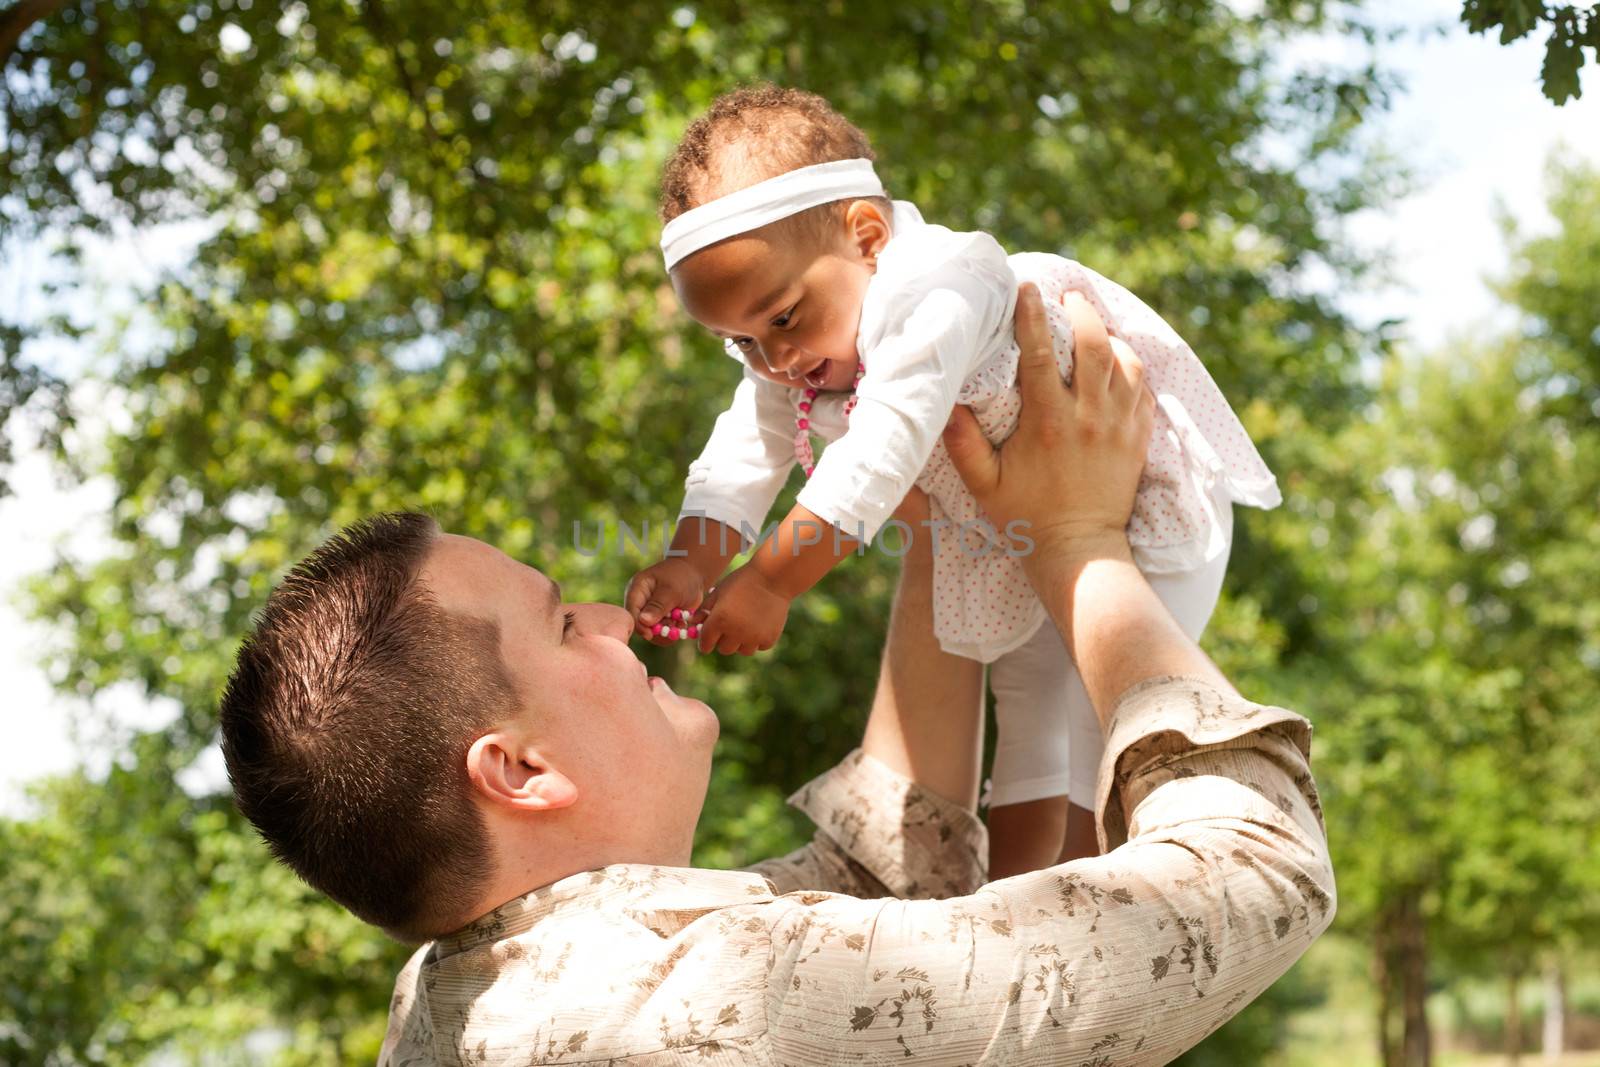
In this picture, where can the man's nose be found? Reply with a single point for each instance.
(606, 619)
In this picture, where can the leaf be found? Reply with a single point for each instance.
(1563, 55)
(863, 1017)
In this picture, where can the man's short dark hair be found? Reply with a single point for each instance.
(346, 724)
(758, 132)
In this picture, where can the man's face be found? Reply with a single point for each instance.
(639, 754)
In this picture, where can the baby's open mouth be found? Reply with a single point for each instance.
(816, 376)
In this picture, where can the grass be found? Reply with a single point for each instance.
(1345, 1056)
(1340, 1031)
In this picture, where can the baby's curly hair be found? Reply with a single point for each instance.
(758, 132)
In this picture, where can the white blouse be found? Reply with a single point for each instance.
(938, 307)
(935, 331)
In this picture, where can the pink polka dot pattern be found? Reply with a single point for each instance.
(983, 605)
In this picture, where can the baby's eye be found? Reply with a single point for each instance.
(783, 320)
(744, 343)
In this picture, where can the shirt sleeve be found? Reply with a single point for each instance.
(1220, 882)
(746, 460)
(881, 834)
(931, 332)
(409, 1039)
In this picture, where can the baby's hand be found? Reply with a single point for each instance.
(745, 614)
(658, 589)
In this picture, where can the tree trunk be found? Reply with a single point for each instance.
(1383, 979)
(1401, 965)
(1416, 1045)
(1513, 1043)
(1555, 1010)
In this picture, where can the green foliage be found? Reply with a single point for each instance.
(1252, 1036)
(1573, 27)
(139, 923)
(433, 284)
(1455, 681)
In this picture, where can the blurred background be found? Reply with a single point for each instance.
(266, 268)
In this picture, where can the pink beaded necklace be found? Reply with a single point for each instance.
(676, 627)
(802, 421)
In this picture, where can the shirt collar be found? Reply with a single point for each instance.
(905, 216)
(665, 899)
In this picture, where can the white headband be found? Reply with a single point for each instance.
(764, 202)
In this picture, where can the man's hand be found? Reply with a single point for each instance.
(1071, 469)
(744, 614)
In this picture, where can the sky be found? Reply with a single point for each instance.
(1471, 121)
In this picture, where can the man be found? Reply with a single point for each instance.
(428, 734)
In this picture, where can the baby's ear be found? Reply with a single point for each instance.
(866, 228)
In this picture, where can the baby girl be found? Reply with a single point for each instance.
(860, 324)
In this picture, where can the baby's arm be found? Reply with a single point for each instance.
(750, 606)
(729, 490)
(701, 550)
(803, 548)
(934, 332)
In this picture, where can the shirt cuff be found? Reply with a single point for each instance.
(917, 843)
(1163, 719)
(853, 495)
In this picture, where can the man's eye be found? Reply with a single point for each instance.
(566, 627)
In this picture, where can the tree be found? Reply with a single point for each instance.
(433, 284)
(1457, 681)
(1573, 27)
(141, 924)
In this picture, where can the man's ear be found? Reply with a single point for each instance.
(866, 228)
(511, 773)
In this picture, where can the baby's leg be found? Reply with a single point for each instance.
(1191, 596)
(1049, 742)
(1046, 752)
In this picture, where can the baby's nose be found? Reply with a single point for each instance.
(784, 359)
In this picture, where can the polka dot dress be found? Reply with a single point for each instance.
(983, 605)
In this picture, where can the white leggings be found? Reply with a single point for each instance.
(1036, 687)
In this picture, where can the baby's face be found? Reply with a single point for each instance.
(792, 311)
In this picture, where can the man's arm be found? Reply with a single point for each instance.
(895, 818)
(1222, 882)
(1221, 877)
